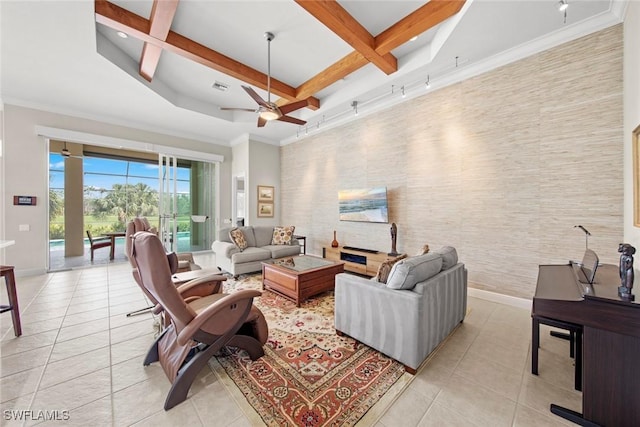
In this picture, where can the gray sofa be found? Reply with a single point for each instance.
(424, 299)
(230, 259)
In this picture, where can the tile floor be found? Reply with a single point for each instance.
(80, 353)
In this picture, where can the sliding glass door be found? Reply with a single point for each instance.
(176, 195)
(186, 203)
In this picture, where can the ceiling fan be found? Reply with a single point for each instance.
(66, 153)
(268, 110)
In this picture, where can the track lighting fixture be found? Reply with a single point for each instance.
(403, 94)
(563, 5)
(427, 85)
(354, 105)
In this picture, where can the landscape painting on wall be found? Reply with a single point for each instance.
(368, 205)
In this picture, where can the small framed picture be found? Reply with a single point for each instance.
(265, 193)
(265, 210)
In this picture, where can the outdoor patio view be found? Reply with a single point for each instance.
(115, 191)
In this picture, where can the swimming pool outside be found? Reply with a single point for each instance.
(184, 242)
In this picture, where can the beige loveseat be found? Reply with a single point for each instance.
(259, 248)
(424, 299)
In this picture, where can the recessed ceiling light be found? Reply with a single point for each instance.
(122, 34)
(220, 86)
(414, 38)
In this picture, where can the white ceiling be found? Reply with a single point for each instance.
(54, 57)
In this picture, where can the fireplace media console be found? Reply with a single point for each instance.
(357, 260)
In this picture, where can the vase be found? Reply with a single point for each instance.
(335, 243)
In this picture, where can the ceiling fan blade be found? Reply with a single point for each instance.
(251, 110)
(261, 122)
(290, 119)
(287, 108)
(253, 94)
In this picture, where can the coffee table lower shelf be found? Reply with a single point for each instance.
(299, 285)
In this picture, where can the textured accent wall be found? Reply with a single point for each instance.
(501, 166)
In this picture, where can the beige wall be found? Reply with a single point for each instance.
(264, 169)
(259, 163)
(501, 166)
(25, 172)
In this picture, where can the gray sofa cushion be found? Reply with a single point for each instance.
(449, 256)
(406, 273)
(263, 235)
(223, 234)
(250, 254)
(249, 236)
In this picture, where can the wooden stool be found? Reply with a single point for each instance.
(6, 271)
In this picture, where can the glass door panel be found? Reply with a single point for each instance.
(168, 201)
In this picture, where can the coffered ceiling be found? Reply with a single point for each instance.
(67, 56)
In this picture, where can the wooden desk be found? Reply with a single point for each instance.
(611, 342)
(112, 236)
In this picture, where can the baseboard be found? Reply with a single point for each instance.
(30, 272)
(500, 298)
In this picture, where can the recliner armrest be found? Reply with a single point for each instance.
(192, 284)
(245, 295)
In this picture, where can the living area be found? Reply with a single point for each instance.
(500, 166)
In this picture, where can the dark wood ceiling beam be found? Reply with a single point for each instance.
(338, 20)
(416, 23)
(162, 13)
(121, 19)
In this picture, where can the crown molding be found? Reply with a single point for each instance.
(607, 19)
(113, 142)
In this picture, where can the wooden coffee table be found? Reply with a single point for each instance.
(300, 277)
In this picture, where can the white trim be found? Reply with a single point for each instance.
(500, 298)
(19, 102)
(109, 141)
(30, 272)
(563, 35)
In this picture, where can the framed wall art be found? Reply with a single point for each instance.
(265, 193)
(265, 210)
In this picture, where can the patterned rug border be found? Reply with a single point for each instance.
(372, 416)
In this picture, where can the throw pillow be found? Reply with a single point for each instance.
(406, 273)
(282, 235)
(424, 250)
(385, 268)
(237, 237)
(449, 256)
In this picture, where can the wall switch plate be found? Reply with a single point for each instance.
(24, 227)
(227, 221)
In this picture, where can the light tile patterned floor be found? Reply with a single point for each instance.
(79, 352)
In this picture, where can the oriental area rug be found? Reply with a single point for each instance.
(309, 376)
